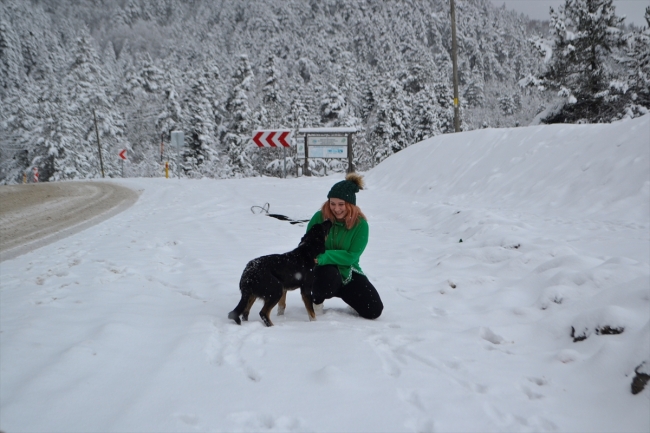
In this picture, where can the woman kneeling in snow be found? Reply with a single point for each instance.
(338, 272)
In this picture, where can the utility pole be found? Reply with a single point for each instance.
(99, 146)
(454, 57)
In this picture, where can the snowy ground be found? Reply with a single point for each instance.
(123, 327)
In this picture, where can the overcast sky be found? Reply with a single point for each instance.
(538, 9)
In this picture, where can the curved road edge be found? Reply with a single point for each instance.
(35, 215)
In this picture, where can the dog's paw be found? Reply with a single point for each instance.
(234, 316)
(281, 310)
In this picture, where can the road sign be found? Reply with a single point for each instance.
(178, 139)
(272, 138)
(122, 154)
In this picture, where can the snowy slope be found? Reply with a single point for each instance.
(123, 327)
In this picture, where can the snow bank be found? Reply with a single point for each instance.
(584, 171)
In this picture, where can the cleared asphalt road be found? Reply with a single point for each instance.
(35, 215)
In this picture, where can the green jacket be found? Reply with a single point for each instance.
(343, 247)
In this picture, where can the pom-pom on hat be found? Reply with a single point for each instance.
(347, 189)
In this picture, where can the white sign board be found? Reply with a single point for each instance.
(178, 139)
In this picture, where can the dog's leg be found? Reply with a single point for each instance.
(306, 298)
(282, 304)
(241, 307)
(249, 305)
(269, 304)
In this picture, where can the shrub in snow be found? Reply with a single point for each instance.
(602, 321)
(641, 378)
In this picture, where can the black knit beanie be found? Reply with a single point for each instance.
(347, 189)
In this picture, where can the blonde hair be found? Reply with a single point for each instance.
(352, 215)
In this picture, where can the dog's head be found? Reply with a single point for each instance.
(313, 242)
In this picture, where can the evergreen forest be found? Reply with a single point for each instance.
(82, 79)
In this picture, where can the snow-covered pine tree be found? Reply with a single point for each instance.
(200, 155)
(85, 90)
(140, 97)
(507, 105)
(473, 94)
(584, 33)
(270, 115)
(10, 57)
(636, 60)
(237, 139)
(445, 107)
(391, 131)
(333, 106)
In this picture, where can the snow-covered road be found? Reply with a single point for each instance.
(37, 214)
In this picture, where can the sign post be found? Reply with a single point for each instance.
(122, 156)
(35, 174)
(178, 141)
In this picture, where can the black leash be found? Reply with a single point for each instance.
(265, 209)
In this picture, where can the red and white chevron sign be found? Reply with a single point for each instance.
(272, 138)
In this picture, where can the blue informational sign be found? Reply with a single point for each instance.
(328, 151)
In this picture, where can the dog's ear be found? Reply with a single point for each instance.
(327, 225)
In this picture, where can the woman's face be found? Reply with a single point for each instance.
(337, 206)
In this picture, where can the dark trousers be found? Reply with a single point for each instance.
(359, 293)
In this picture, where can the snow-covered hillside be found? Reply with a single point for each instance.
(123, 327)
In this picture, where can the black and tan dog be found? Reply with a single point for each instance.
(269, 277)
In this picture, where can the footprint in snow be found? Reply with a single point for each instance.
(512, 422)
(260, 422)
(224, 347)
(327, 375)
(386, 355)
(488, 335)
(418, 419)
(187, 420)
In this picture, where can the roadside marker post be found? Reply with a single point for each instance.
(24, 177)
(122, 156)
(35, 174)
(166, 169)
